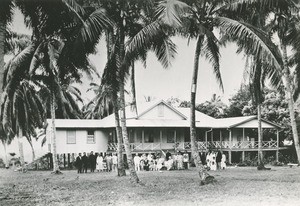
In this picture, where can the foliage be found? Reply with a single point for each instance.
(214, 107)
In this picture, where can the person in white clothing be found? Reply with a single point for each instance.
(99, 163)
(223, 162)
(137, 161)
(115, 162)
(213, 163)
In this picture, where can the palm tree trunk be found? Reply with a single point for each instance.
(32, 150)
(121, 169)
(5, 152)
(2, 41)
(194, 148)
(133, 91)
(260, 154)
(289, 97)
(56, 169)
(133, 174)
(20, 144)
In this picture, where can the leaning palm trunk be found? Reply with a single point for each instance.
(6, 158)
(133, 91)
(194, 148)
(32, 150)
(121, 169)
(20, 145)
(289, 97)
(2, 40)
(133, 175)
(56, 169)
(260, 154)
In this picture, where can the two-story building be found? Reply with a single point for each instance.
(162, 127)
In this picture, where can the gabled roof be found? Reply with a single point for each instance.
(167, 105)
(232, 122)
(134, 120)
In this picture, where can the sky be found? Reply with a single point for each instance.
(160, 83)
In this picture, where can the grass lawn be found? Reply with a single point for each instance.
(234, 186)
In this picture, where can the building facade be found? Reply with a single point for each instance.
(163, 127)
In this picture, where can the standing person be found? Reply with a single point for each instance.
(146, 163)
(92, 161)
(208, 157)
(99, 165)
(115, 162)
(104, 163)
(203, 157)
(223, 161)
(175, 159)
(186, 160)
(109, 162)
(180, 161)
(168, 155)
(85, 162)
(78, 163)
(137, 161)
(142, 161)
(213, 164)
(218, 159)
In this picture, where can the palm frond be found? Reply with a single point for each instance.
(252, 40)
(170, 11)
(211, 52)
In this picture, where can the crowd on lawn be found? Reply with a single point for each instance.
(99, 162)
(107, 162)
(180, 160)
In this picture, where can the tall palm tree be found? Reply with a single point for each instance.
(256, 87)
(5, 17)
(199, 22)
(60, 48)
(136, 32)
(283, 20)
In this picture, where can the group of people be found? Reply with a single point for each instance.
(180, 160)
(164, 160)
(148, 162)
(98, 161)
(213, 160)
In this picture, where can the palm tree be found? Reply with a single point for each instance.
(60, 48)
(199, 22)
(256, 87)
(283, 20)
(135, 33)
(5, 17)
(23, 112)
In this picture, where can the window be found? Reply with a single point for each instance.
(160, 110)
(71, 137)
(91, 137)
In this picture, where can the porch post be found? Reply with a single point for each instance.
(230, 145)
(277, 151)
(243, 152)
(175, 135)
(160, 137)
(220, 138)
(206, 138)
(212, 135)
(143, 138)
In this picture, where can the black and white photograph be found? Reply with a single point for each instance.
(149, 102)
